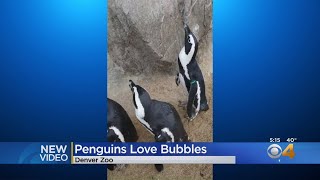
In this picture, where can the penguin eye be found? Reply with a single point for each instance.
(189, 41)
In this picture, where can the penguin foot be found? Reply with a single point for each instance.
(111, 167)
(189, 118)
(204, 107)
(117, 167)
(159, 167)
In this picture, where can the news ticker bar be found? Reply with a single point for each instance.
(154, 160)
(154, 153)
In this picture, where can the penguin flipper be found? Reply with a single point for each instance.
(193, 99)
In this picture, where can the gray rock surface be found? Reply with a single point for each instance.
(145, 36)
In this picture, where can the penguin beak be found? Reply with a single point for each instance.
(131, 85)
(186, 29)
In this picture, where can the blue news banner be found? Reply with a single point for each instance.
(150, 153)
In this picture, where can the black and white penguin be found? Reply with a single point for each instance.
(120, 127)
(190, 75)
(161, 119)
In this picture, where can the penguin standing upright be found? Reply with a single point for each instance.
(159, 118)
(120, 126)
(190, 75)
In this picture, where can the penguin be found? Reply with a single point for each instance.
(161, 119)
(120, 127)
(190, 75)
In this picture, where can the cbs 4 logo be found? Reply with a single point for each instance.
(275, 151)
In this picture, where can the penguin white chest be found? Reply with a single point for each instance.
(185, 59)
(140, 115)
(140, 112)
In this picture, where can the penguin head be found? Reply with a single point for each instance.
(190, 41)
(132, 85)
(140, 95)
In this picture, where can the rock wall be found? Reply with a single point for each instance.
(146, 36)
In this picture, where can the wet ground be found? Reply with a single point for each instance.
(162, 87)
